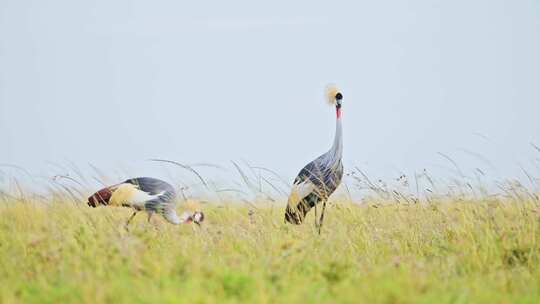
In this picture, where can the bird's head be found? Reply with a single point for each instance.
(334, 97)
(198, 217)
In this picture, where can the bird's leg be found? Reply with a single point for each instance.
(150, 216)
(322, 217)
(316, 223)
(129, 219)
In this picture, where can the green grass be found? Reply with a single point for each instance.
(445, 252)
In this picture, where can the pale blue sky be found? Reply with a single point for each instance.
(114, 83)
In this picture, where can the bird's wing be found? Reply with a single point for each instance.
(313, 171)
(324, 175)
(135, 192)
(306, 182)
(129, 194)
(162, 194)
(299, 192)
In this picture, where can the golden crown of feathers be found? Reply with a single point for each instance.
(331, 92)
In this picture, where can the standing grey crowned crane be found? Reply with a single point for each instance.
(144, 194)
(320, 178)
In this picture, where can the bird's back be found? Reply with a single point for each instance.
(152, 185)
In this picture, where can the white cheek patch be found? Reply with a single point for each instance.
(197, 217)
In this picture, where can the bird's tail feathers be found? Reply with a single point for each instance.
(101, 197)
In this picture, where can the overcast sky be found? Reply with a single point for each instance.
(114, 83)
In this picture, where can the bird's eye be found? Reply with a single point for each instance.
(339, 96)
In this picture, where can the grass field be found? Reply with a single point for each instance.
(442, 252)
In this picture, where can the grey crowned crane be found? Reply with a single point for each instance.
(320, 178)
(144, 194)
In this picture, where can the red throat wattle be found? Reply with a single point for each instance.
(338, 112)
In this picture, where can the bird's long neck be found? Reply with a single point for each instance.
(337, 147)
(173, 218)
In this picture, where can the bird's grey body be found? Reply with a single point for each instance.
(318, 179)
(164, 192)
(143, 194)
(326, 180)
(326, 177)
(165, 201)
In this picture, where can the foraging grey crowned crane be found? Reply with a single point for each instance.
(144, 194)
(320, 178)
